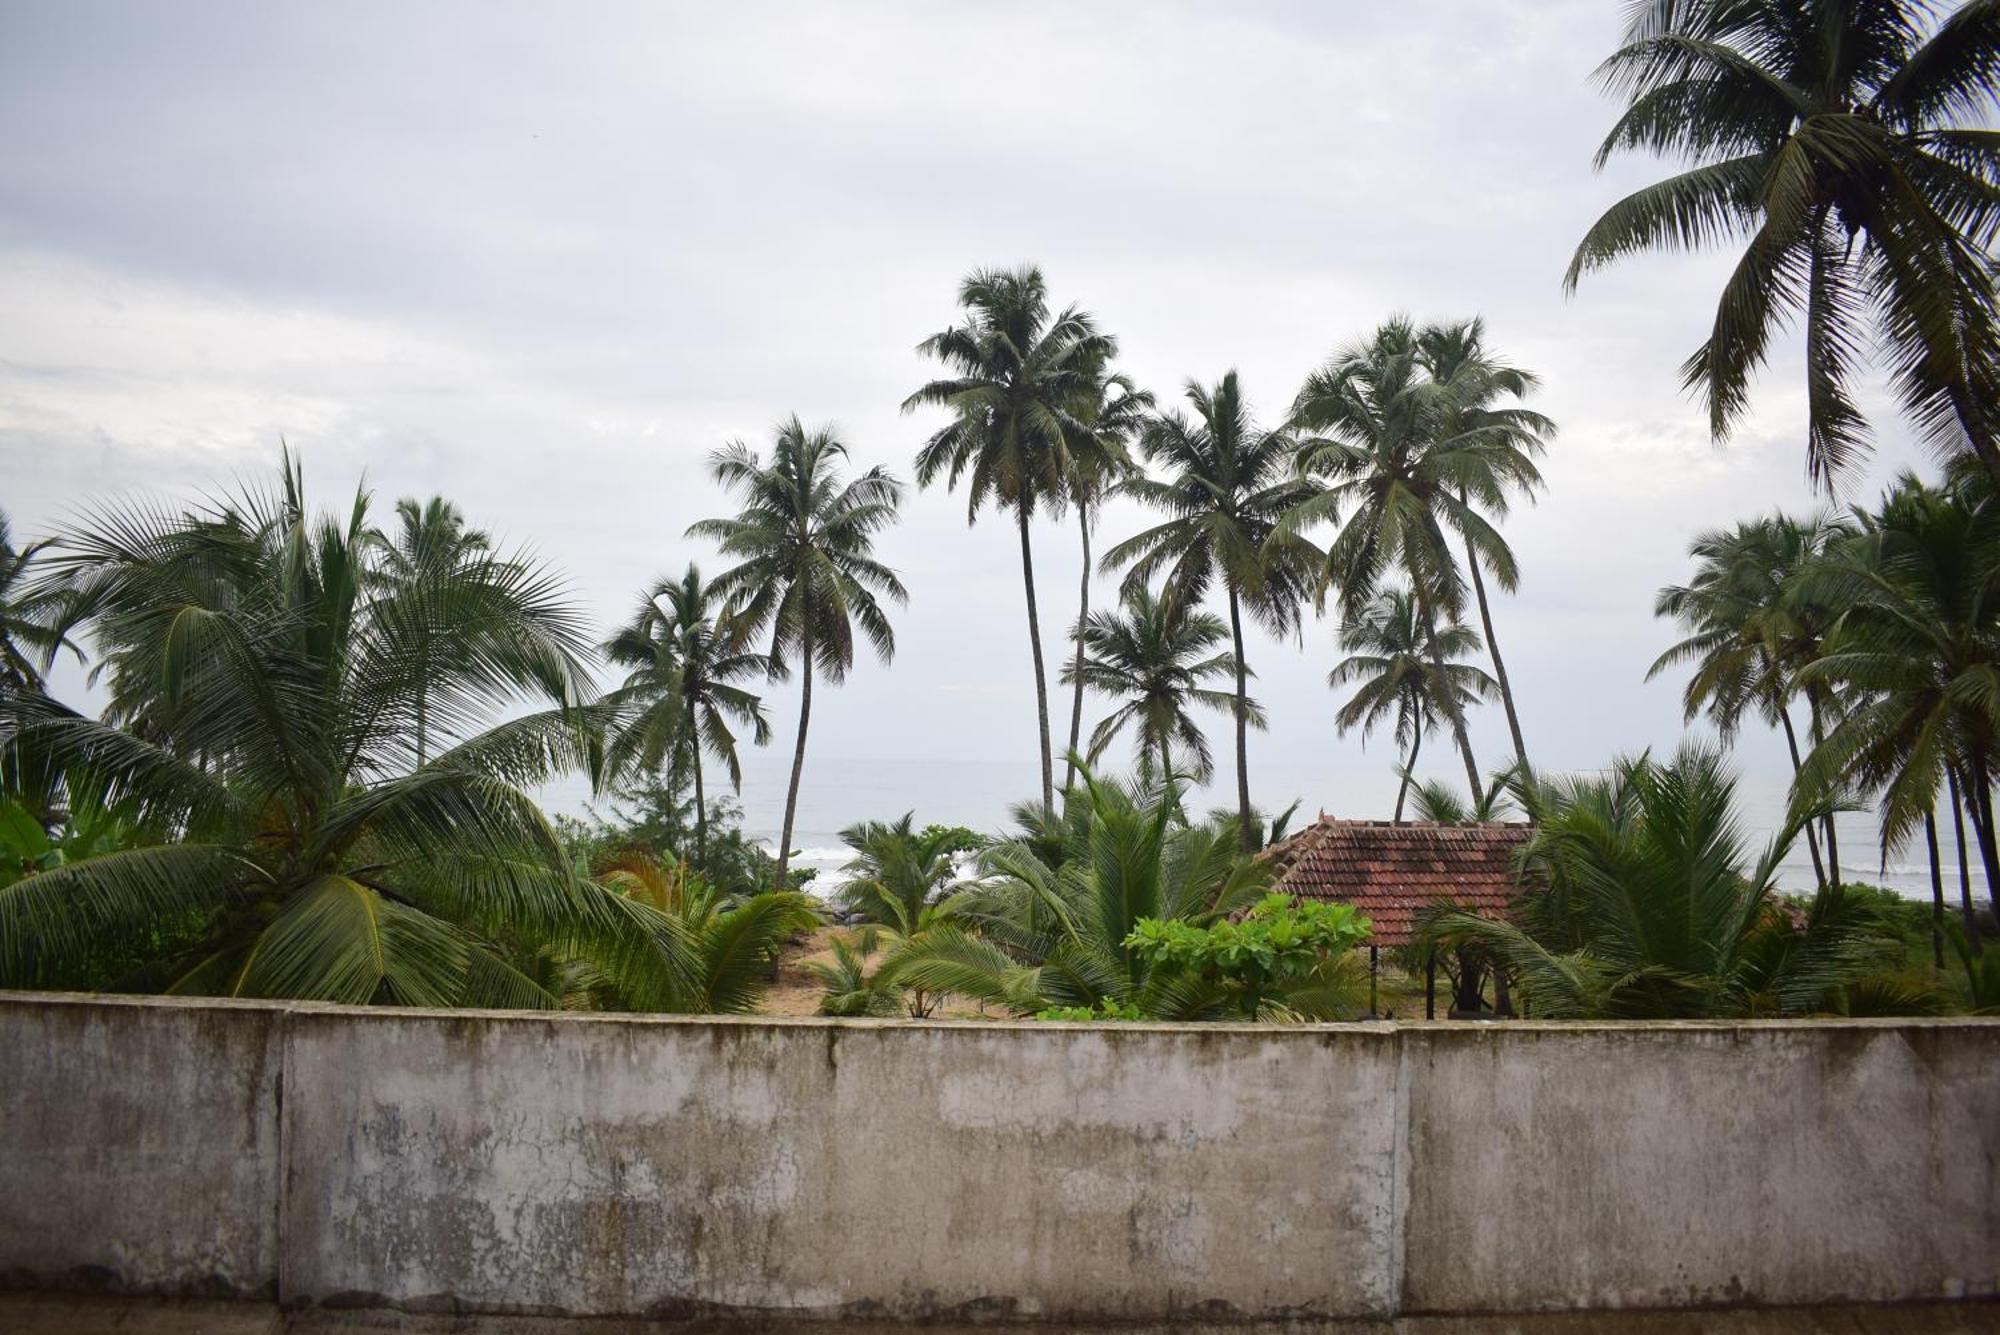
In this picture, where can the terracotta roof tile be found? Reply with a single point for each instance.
(1390, 872)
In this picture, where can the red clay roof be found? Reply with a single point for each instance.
(1389, 871)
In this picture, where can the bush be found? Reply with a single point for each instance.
(1276, 944)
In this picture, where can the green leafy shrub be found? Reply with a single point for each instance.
(1274, 945)
(1106, 1009)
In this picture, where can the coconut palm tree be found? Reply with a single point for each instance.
(850, 989)
(1641, 902)
(1444, 805)
(431, 536)
(27, 612)
(897, 870)
(897, 881)
(1228, 495)
(1017, 381)
(1411, 467)
(1484, 403)
(1847, 147)
(1113, 414)
(277, 674)
(431, 543)
(680, 687)
(1750, 631)
(1152, 656)
(806, 574)
(730, 942)
(1402, 665)
(1916, 654)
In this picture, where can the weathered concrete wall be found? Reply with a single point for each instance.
(857, 1169)
(1571, 1166)
(663, 1167)
(139, 1146)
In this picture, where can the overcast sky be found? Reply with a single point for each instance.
(543, 259)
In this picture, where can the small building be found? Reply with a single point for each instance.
(1390, 873)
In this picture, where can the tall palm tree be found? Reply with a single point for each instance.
(277, 678)
(431, 543)
(1750, 631)
(806, 573)
(681, 690)
(28, 643)
(1228, 494)
(1113, 413)
(1484, 395)
(1410, 466)
(1807, 128)
(1017, 378)
(1917, 653)
(1401, 664)
(1152, 656)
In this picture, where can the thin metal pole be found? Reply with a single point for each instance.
(1431, 985)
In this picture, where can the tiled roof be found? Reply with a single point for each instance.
(1389, 872)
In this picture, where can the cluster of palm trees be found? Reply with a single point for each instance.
(277, 682)
(1871, 639)
(805, 586)
(311, 777)
(1052, 924)
(1880, 628)
(1415, 437)
(1641, 899)
(297, 702)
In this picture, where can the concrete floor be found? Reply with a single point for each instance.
(62, 1314)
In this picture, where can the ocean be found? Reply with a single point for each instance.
(838, 791)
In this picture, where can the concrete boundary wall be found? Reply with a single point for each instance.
(668, 1167)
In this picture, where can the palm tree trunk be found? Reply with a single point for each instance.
(1499, 668)
(1937, 890)
(1989, 455)
(1452, 710)
(1082, 614)
(1792, 744)
(1403, 789)
(700, 802)
(1964, 867)
(1245, 839)
(798, 759)
(1035, 644)
(1978, 430)
(1982, 822)
(1465, 750)
(1832, 840)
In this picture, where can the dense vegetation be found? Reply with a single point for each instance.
(312, 773)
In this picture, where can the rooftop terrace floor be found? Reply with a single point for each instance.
(67, 1314)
